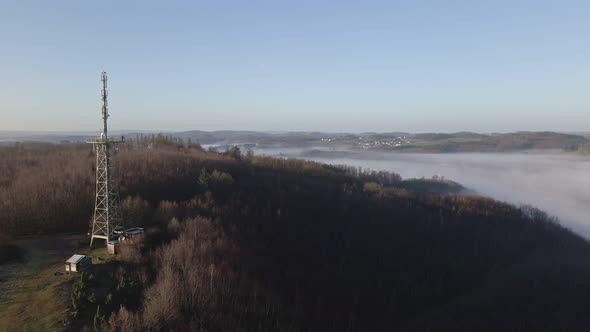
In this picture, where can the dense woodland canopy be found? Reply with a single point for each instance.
(241, 242)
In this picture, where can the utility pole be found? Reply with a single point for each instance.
(106, 209)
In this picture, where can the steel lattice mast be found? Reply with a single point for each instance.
(106, 211)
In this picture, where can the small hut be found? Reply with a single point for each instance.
(113, 247)
(78, 263)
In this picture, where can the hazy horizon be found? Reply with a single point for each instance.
(332, 66)
(270, 131)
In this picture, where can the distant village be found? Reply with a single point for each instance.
(366, 143)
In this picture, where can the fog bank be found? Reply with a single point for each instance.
(557, 183)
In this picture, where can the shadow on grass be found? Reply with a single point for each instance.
(11, 253)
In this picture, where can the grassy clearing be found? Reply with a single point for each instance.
(34, 295)
(36, 302)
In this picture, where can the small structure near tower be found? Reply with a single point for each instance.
(78, 263)
(113, 247)
(106, 210)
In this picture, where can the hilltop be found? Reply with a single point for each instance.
(236, 241)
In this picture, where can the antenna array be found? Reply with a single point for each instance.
(106, 210)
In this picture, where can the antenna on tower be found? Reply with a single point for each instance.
(105, 104)
(106, 209)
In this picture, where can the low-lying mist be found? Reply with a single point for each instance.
(558, 183)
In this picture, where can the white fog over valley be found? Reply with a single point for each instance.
(556, 182)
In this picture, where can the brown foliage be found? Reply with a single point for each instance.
(135, 209)
(45, 189)
(195, 285)
(50, 188)
(332, 248)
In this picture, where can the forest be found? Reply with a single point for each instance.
(239, 242)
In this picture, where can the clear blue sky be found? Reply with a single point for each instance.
(439, 65)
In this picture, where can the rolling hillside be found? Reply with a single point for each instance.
(240, 242)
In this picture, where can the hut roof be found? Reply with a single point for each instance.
(75, 258)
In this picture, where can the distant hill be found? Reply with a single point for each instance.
(392, 141)
(470, 142)
(401, 142)
(536, 140)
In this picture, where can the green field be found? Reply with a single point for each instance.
(466, 142)
(34, 294)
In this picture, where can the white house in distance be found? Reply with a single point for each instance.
(78, 263)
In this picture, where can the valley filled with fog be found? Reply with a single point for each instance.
(556, 182)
